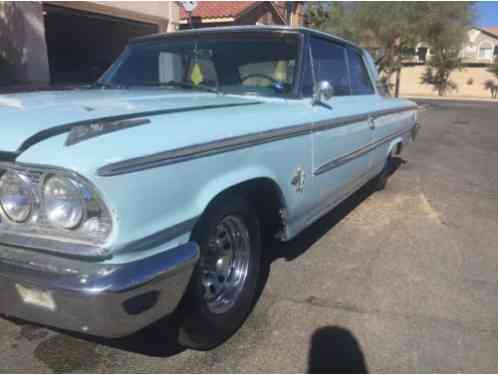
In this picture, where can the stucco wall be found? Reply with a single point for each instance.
(23, 52)
(470, 82)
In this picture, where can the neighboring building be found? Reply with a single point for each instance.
(73, 42)
(230, 13)
(481, 48)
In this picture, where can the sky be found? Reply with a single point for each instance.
(487, 13)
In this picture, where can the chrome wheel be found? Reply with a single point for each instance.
(225, 263)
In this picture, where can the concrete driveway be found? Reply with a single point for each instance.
(401, 280)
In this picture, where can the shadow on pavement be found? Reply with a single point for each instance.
(157, 340)
(334, 350)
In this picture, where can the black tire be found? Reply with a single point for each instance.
(200, 328)
(380, 181)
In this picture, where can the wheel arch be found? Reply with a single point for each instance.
(395, 146)
(264, 195)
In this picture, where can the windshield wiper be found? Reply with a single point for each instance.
(182, 84)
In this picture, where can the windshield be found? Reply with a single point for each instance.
(236, 64)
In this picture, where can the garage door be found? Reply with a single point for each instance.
(81, 45)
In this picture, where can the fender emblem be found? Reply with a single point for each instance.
(298, 180)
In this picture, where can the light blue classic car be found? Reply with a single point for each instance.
(156, 190)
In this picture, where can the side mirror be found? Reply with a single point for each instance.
(324, 90)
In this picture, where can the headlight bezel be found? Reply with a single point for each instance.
(91, 240)
(29, 188)
(77, 187)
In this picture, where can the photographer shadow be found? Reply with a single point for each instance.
(334, 350)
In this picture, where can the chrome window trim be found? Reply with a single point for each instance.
(235, 143)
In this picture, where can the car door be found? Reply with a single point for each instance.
(362, 88)
(341, 127)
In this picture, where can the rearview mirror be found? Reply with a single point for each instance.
(323, 91)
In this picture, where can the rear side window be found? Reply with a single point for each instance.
(360, 81)
(329, 62)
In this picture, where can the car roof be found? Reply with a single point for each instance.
(238, 29)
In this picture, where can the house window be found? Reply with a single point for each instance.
(486, 51)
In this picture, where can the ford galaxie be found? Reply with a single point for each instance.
(156, 190)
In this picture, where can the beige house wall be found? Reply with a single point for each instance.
(470, 82)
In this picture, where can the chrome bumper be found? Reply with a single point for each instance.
(97, 299)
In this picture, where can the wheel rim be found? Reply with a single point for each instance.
(225, 264)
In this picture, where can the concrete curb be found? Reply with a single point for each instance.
(445, 98)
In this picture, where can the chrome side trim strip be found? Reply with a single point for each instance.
(203, 149)
(339, 122)
(390, 111)
(235, 143)
(357, 153)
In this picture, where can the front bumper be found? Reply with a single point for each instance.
(97, 299)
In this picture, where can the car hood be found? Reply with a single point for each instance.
(31, 117)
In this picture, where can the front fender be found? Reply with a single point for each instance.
(229, 179)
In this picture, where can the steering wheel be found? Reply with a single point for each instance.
(259, 75)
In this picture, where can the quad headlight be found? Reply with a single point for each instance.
(63, 202)
(53, 204)
(16, 196)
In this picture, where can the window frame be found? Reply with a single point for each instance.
(296, 92)
(312, 60)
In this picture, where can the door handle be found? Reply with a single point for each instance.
(371, 122)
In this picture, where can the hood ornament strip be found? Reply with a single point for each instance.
(83, 132)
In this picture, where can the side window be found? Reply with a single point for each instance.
(329, 62)
(360, 81)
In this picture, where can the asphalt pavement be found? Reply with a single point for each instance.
(401, 280)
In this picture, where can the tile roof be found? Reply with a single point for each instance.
(491, 30)
(218, 9)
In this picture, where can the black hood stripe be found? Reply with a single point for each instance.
(60, 129)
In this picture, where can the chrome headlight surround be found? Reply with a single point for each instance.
(87, 235)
